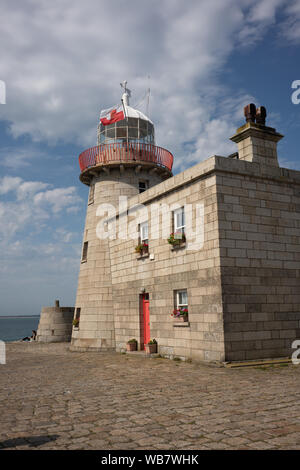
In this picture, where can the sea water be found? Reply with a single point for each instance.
(15, 328)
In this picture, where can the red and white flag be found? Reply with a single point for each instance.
(111, 115)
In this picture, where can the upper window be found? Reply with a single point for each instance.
(91, 194)
(143, 185)
(85, 251)
(179, 220)
(144, 233)
(143, 246)
(128, 130)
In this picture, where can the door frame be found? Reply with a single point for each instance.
(144, 298)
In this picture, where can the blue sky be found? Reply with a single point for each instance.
(206, 60)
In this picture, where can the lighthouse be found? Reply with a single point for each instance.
(125, 162)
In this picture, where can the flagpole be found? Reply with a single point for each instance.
(125, 95)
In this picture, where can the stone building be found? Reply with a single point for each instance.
(55, 325)
(233, 264)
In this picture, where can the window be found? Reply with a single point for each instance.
(179, 220)
(91, 194)
(76, 318)
(143, 185)
(143, 247)
(111, 133)
(144, 232)
(181, 304)
(181, 298)
(84, 251)
(122, 132)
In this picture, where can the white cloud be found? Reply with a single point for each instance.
(9, 183)
(39, 255)
(264, 11)
(19, 157)
(58, 199)
(31, 204)
(291, 27)
(28, 188)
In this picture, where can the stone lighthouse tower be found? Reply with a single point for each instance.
(125, 161)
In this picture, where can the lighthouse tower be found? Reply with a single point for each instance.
(125, 161)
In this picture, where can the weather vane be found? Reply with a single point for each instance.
(126, 90)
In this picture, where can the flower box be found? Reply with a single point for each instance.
(181, 318)
(177, 239)
(142, 249)
(180, 314)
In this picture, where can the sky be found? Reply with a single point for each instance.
(63, 61)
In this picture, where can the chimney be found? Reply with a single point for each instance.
(256, 142)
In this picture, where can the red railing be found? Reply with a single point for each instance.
(125, 152)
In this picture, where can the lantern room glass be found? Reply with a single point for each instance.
(131, 129)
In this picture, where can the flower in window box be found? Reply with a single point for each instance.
(176, 238)
(180, 314)
(142, 248)
(75, 322)
(145, 247)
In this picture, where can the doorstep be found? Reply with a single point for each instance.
(141, 354)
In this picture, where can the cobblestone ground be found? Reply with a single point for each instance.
(51, 398)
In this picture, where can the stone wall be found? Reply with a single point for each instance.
(259, 220)
(166, 270)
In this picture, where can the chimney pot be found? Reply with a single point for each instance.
(261, 114)
(250, 112)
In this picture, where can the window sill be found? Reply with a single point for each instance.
(178, 247)
(184, 324)
(83, 261)
(145, 255)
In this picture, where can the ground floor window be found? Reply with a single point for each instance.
(181, 303)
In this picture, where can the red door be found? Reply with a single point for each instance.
(145, 320)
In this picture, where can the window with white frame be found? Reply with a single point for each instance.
(181, 298)
(179, 223)
(181, 302)
(144, 238)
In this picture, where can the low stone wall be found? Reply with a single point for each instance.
(55, 324)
